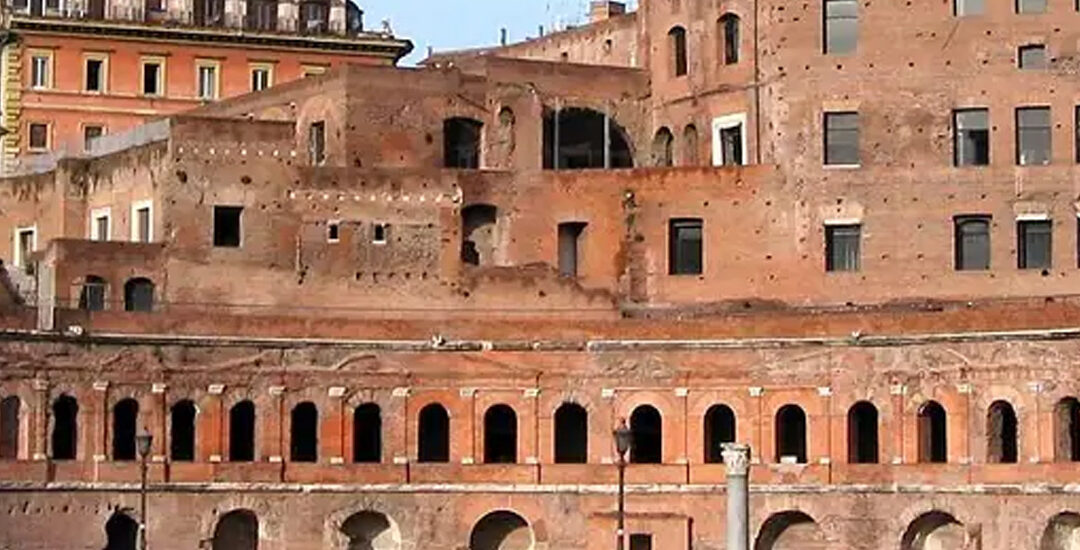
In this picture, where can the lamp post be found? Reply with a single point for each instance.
(623, 441)
(142, 443)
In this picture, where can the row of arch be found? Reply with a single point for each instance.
(728, 41)
(571, 432)
(138, 294)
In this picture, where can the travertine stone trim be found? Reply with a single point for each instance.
(682, 392)
(532, 393)
(277, 390)
(336, 391)
(101, 385)
(824, 391)
(607, 393)
(400, 392)
(157, 388)
(756, 391)
(215, 389)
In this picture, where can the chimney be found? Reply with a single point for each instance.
(502, 36)
(602, 10)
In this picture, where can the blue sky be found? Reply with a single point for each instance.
(454, 24)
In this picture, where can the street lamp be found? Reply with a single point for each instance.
(142, 444)
(623, 441)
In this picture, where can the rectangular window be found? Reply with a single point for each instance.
(207, 75)
(153, 77)
(729, 140)
(640, 541)
(685, 239)
(968, 7)
(1033, 142)
(25, 245)
(333, 231)
(972, 242)
(90, 133)
(379, 233)
(1034, 244)
(39, 136)
(317, 143)
(142, 222)
(842, 139)
(1030, 6)
(227, 226)
(41, 71)
(101, 228)
(841, 26)
(1032, 57)
(94, 73)
(842, 247)
(262, 15)
(971, 133)
(570, 247)
(261, 77)
(313, 70)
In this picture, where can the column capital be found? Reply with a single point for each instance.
(736, 458)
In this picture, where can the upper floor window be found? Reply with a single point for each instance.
(1030, 6)
(842, 139)
(25, 245)
(314, 17)
(153, 6)
(142, 222)
(685, 246)
(1034, 239)
(207, 75)
(1033, 141)
(972, 244)
(90, 133)
(729, 140)
(677, 42)
(971, 133)
(841, 26)
(262, 15)
(317, 143)
(41, 70)
(968, 7)
(729, 24)
(153, 76)
(39, 136)
(1032, 56)
(842, 247)
(95, 73)
(262, 76)
(227, 226)
(209, 13)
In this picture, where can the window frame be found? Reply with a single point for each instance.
(1049, 128)
(17, 258)
(960, 8)
(958, 250)
(1040, 65)
(86, 126)
(831, 227)
(214, 65)
(160, 61)
(958, 134)
(679, 52)
(1024, 224)
(29, 137)
(1018, 8)
(136, 206)
(103, 74)
(829, 20)
(675, 268)
(333, 231)
(96, 214)
(378, 227)
(50, 65)
(727, 122)
(261, 66)
(825, 130)
(731, 24)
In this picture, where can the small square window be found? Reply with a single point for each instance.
(39, 136)
(1032, 57)
(972, 243)
(1034, 238)
(379, 233)
(842, 247)
(90, 133)
(333, 232)
(685, 240)
(842, 139)
(971, 132)
(227, 226)
(641, 541)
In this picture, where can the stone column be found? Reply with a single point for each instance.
(737, 460)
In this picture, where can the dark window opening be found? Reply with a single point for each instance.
(1001, 434)
(125, 425)
(933, 441)
(679, 61)
(237, 530)
(685, 240)
(378, 233)
(719, 429)
(972, 243)
(478, 225)
(95, 75)
(648, 442)
(1033, 136)
(461, 143)
(242, 432)
(571, 434)
(139, 295)
(227, 226)
(9, 427)
(579, 139)
(842, 244)
(691, 153)
(862, 433)
(368, 531)
(500, 435)
(731, 145)
(154, 6)
(151, 79)
(791, 435)
(501, 530)
(209, 13)
(304, 433)
(91, 133)
(92, 295)
(182, 431)
(121, 532)
(1034, 244)
(570, 247)
(640, 541)
(65, 429)
(841, 26)
(367, 434)
(1032, 57)
(434, 436)
(314, 17)
(39, 136)
(663, 148)
(1067, 430)
(729, 22)
(317, 143)
(333, 232)
(262, 15)
(971, 131)
(842, 139)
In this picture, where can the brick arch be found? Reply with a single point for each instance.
(262, 509)
(771, 514)
(912, 512)
(335, 522)
(665, 403)
(23, 431)
(535, 533)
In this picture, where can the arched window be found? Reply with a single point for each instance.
(934, 529)
(663, 148)
(125, 424)
(571, 434)
(434, 437)
(791, 434)
(139, 295)
(862, 426)
(677, 42)
(65, 429)
(500, 435)
(367, 433)
(790, 529)
(1067, 430)
(92, 295)
(729, 27)
(501, 530)
(304, 433)
(461, 143)
(691, 155)
(182, 431)
(121, 532)
(719, 429)
(9, 427)
(646, 425)
(242, 432)
(237, 530)
(1001, 433)
(933, 442)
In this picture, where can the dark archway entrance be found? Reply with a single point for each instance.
(575, 139)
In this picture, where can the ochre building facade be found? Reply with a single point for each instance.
(405, 308)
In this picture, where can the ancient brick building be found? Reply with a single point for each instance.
(405, 308)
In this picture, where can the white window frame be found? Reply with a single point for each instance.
(723, 123)
(201, 64)
(268, 67)
(330, 223)
(85, 125)
(385, 233)
(104, 75)
(47, 55)
(161, 63)
(16, 253)
(97, 214)
(314, 70)
(148, 205)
